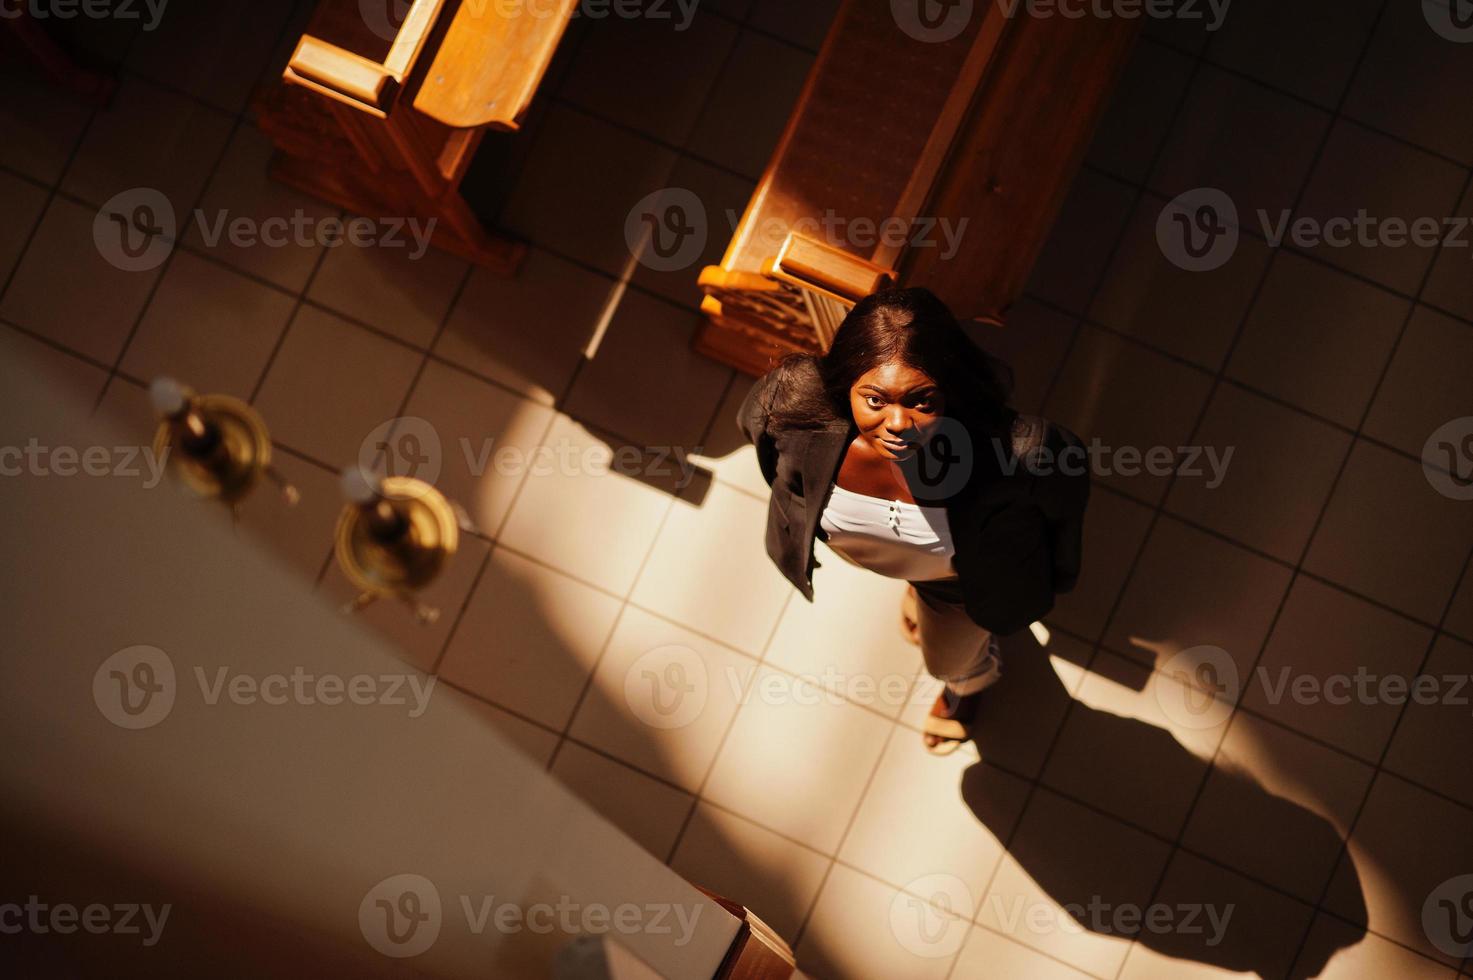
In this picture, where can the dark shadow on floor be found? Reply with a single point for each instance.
(1015, 728)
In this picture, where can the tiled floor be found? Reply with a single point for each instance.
(629, 630)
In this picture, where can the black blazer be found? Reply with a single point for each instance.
(1016, 523)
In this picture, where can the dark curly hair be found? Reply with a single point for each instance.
(914, 327)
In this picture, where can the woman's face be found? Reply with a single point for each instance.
(896, 408)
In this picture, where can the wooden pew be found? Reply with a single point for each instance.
(894, 130)
(384, 120)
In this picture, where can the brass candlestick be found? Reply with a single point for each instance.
(394, 538)
(216, 445)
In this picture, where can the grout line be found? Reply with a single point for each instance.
(1380, 767)
(291, 319)
(1056, 791)
(1317, 256)
(53, 190)
(1064, 358)
(1206, 58)
(742, 700)
(162, 272)
(1212, 763)
(883, 711)
(1035, 781)
(608, 640)
(839, 847)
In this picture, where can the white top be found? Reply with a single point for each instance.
(893, 538)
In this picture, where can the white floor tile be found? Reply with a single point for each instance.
(209, 327)
(527, 332)
(924, 815)
(578, 513)
(331, 385)
(862, 929)
(66, 290)
(772, 876)
(647, 810)
(797, 760)
(662, 698)
(709, 570)
(529, 638)
(473, 440)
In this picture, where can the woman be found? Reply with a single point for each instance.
(898, 449)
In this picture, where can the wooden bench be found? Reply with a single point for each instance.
(384, 120)
(893, 131)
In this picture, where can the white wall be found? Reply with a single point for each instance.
(297, 810)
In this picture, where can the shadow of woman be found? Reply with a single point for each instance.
(1201, 915)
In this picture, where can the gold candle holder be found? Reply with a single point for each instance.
(394, 538)
(216, 445)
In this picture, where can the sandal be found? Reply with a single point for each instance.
(945, 728)
(910, 626)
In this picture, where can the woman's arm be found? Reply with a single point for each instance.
(1062, 495)
(752, 420)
